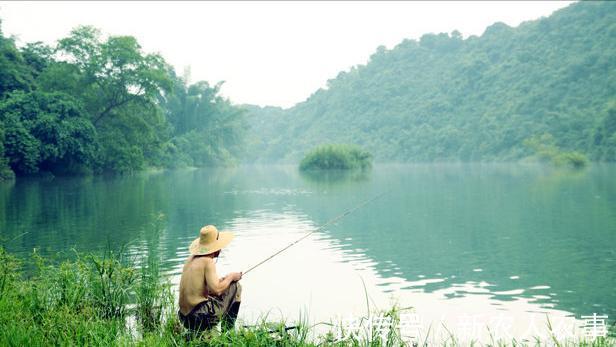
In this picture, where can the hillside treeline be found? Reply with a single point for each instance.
(445, 98)
(92, 103)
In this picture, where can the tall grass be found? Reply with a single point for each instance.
(110, 283)
(90, 299)
(153, 296)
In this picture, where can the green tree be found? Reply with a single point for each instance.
(5, 169)
(115, 72)
(206, 128)
(120, 87)
(14, 72)
(37, 56)
(133, 139)
(46, 131)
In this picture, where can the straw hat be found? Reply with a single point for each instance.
(210, 240)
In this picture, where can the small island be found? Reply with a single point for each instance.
(336, 157)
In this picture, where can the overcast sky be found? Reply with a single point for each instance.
(268, 53)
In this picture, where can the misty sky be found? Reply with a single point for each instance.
(268, 53)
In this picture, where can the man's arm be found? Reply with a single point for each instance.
(217, 285)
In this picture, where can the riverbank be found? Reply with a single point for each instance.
(111, 299)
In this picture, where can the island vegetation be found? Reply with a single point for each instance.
(336, 157)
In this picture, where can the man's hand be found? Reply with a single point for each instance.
(235, 276)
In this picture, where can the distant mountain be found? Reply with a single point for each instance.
(445, 98)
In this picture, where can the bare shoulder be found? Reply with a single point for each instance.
(197, 262)
(203, 262)
(207, 262)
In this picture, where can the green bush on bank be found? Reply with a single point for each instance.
(336, 157)
(546, 151)
(574, 159)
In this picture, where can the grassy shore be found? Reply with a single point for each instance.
(111, 299)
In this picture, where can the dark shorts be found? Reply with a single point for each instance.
(209, 312)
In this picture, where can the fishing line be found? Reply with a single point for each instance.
(331, 221)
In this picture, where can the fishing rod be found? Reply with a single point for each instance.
(331, 221)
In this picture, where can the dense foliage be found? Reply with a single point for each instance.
(95, 103)
(336, 157)
(46, 130)
(445, 98)
(208, 129)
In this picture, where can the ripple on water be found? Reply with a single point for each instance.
(510, 292)
(270, 191)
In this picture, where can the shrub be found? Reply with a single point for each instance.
(573, 159)
(546, 150)
(336, 157)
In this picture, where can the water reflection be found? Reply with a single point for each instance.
(335, 177)
(328, 281)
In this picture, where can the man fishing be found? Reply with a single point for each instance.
(206, 299)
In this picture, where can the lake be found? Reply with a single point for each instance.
(460, 243)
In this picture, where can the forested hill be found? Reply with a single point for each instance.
(443, 97)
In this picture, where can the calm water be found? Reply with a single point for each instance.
(450, 240)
